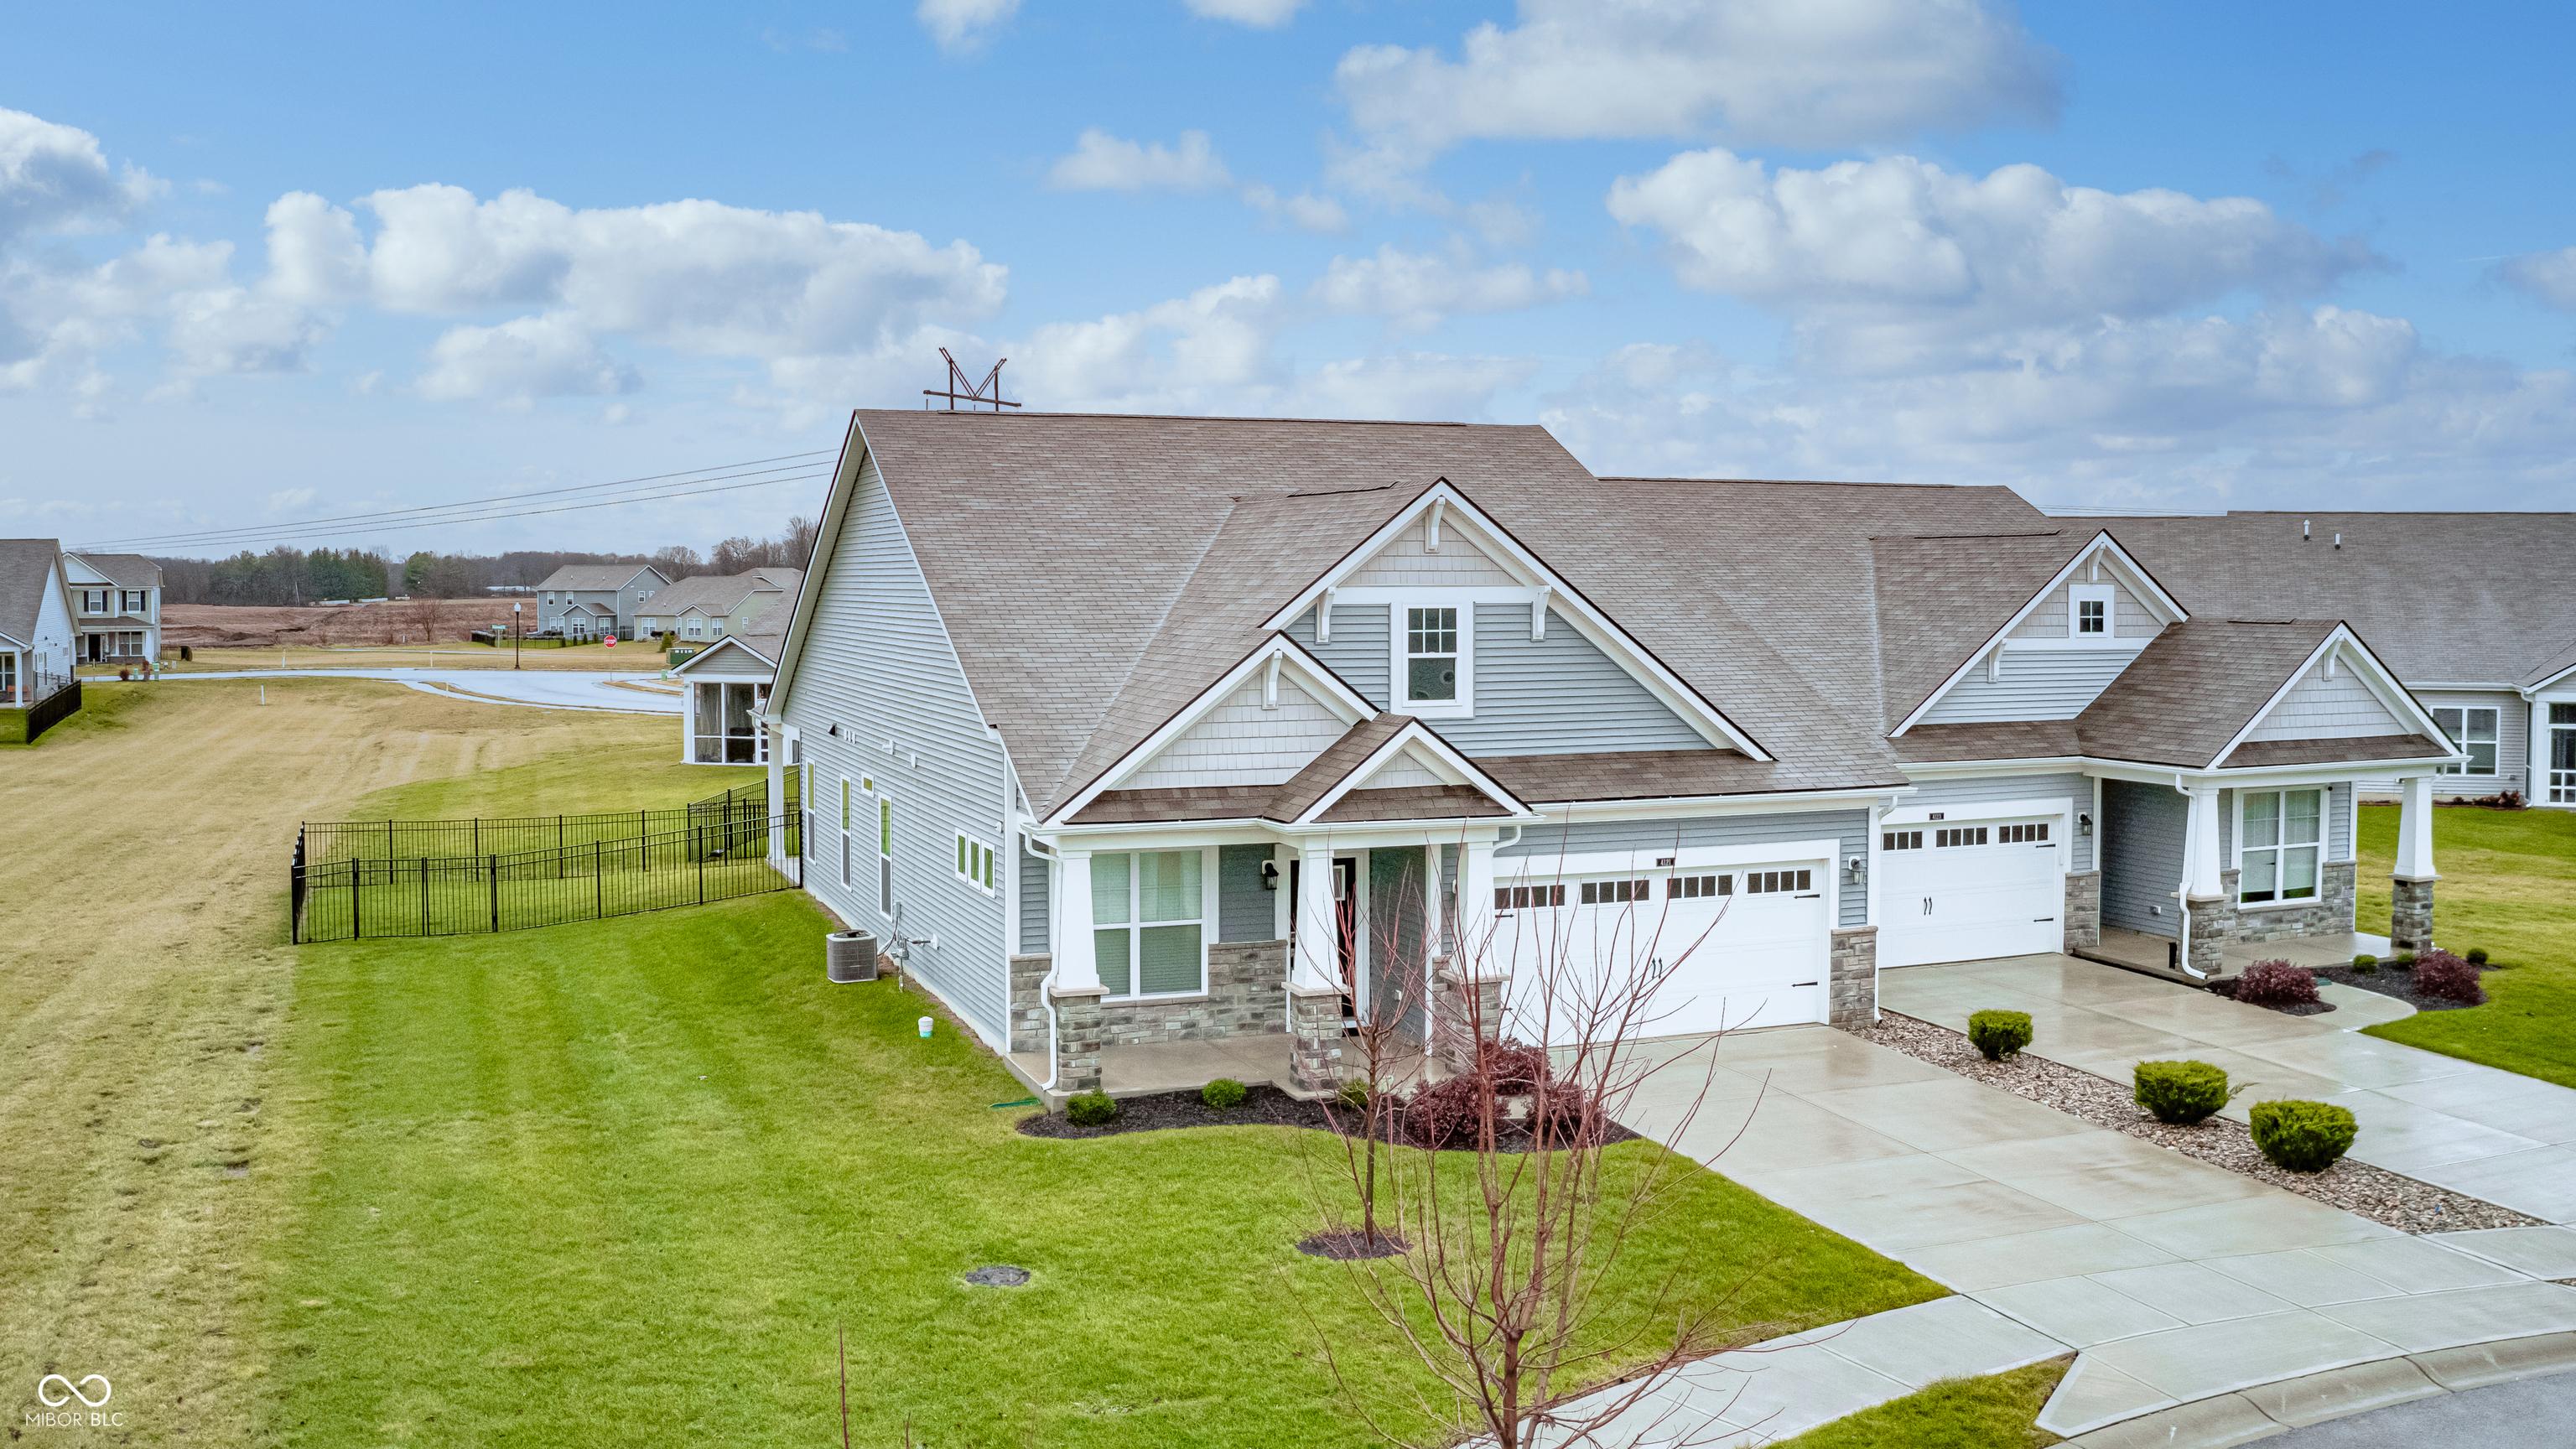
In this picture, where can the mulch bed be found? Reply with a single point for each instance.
(2376, 1193)
(2394, 981)
(2228, 987)
(1263, 1106)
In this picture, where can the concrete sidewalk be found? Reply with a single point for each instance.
(2174, 1281)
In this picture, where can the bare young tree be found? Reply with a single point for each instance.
(1383, 1044)
(431, 613)
(1501, 1255)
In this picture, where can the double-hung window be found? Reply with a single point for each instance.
(2473, 729)
(133, 601)
(885, 857)
(93, 601)
(845, 833)
(1149, 922)
(2281, 843)
(1431, 655)
(2562, 754)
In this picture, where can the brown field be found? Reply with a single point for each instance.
(144, 969)
(406, 621)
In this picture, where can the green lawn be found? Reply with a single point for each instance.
(1995, 1412)
(618, 1183)
(2508, 883)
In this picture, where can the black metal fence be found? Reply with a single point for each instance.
(327, 842)
(710, 859)
(56, 698)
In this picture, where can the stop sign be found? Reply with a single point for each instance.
(608, 641)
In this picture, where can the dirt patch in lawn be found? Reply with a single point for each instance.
(1263, 1106)
(2376, 1193)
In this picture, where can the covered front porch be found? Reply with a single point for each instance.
(2141, 952)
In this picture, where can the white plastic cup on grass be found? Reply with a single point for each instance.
(925, 1028)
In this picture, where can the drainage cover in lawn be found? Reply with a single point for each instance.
(1000, 1275)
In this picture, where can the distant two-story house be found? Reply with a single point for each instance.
(591, 601)
(37, 640)
(1132, 730)
(116, 606)
(707, 607)
(2475, 611)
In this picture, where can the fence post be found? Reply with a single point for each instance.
(478, 835)
(492, 867)
(357, 928)
(559, 847)
(598, 888)
(702, 865)
(424, 895)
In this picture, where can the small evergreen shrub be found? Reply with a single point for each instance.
(2366, 964)
(2302, 1136)
(1224, 1094)
(1999, 1034)
(1090, 1109)
(1353, 1097)
(2439, 973)
(2477, 955)
(2276, 983)
(2403, 960)
(2180, 1093)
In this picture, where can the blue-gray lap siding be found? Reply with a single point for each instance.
(877, 662)
(2338, 824)
(2072, 790)
(1558, 695)
(2142, 836)
(1581, 837)
(1034, 894)
(2035, 684)
(1244, 911)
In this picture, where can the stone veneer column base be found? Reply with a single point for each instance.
(1077, 1039)
(1028, 1002)
(1851, 987)
(2083, 915)
(1462, 1008)
(2410, 916)
(1315, 1040)
(2213, 928)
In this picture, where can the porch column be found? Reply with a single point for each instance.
(1317, 966)
(1475, 906)
(2202, 863)
(1432, 904)
(2410, 916)
(1077, 960)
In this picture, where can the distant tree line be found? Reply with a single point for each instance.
(288, 575)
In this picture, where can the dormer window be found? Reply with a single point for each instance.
(2088, 613)
(1432, 655)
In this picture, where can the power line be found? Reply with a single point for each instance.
(723, 471)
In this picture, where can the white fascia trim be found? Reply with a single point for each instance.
(2102, 545)
(1346, 703)
(733, 641)
(2535, 690)
(1648, 860)
(1558, 812)
(1605, 634)
(2375, 676)
(827, 542)
(2032, 765)
(2055, 807)
(1439, 749)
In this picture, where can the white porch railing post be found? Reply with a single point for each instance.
(2415, 828)
(1077, 959)
(1317, 962)
(1475, 907)
(2202, 863)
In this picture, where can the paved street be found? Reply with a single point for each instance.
(2524, 1415)
(620, 692)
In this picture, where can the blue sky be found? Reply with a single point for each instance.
(269, 267)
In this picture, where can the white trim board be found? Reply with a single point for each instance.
(2342, 646)
(2102, 545)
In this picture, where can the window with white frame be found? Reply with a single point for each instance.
(2280, 845)
(845, 832)
(885, 857)
(1432, 657)
(2562, 754)
(1778, 882)
(2088, 612)
(975, 863)
(1900, 840)
(692, 627)
(1149, 922)
(94, 601)
(2473, 729)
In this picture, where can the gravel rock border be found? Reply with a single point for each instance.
(2376, 1193)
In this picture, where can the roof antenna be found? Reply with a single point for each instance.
(2303, 530)
(985, 394)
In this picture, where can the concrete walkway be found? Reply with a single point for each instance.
(2496, 1135)
(612, 693)
(2174, 1281)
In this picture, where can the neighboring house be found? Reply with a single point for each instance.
(728, 688)
(709, 607)
(116, 605)
(1133, 730)
(2475, 611)
(587, 601)
(37, 639)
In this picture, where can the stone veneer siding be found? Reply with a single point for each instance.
(1851, 987)
(1460, 1010)
(1245, 981)
(2083, 917)
(1077, 1041)
(2410, 916)
(1315, 1055)
(2330, 914)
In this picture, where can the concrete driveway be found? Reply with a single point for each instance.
(2496, 1135)
(2175, 1281)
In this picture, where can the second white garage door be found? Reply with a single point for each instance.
(1964, 891)
(1734, 947)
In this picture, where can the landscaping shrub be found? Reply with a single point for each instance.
(2180, 1093)
(1445, 1114)
(2276, 983)
(2439, 973)
(1999, 1034)
(1090, 1109)
(1353, 1097)
(2366, 964)
(1563, 1114)
(2477, 955)
(1224, 1094)
(2403, 960)
(2302, 1136)
(1516, 1067)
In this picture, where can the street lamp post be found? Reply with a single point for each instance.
(515, 631)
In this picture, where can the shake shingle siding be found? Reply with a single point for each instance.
(877, 663)
(2034, 684)
(2142, 837)
(2070, 789)
(1541, 844)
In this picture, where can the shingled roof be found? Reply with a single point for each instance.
(26, 567)
(595, 578)
(125, 570)
(720, 593)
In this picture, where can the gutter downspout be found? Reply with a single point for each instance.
(2182, 893)
(1046, 983)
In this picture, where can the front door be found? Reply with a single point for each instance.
(91, 643)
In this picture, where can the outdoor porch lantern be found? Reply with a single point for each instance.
(1270, 875)
(2084, 822)
(1855, 867)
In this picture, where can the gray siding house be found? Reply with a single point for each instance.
(1140, 731)
(587, 601)
(116, 605)
(709, 607)
(37, 638)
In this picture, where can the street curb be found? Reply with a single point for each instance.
(2242, 1417)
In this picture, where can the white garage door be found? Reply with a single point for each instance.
(1965, 890)
(1732, 947)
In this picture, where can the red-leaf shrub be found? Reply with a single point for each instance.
(1449, 1113)
(1516, 1069)
(1566, 1113)
(2439, 973)
(2276, 983)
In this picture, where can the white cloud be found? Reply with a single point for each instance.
(1103, 162)
(290, 500)
(2548, 277)
(1184, 355)
(1412, 385)
(1304, 211)
(524, 359)
(1261, 14)
(1417, 289)
(1789, 72)
(959, 26)
(55, 178)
